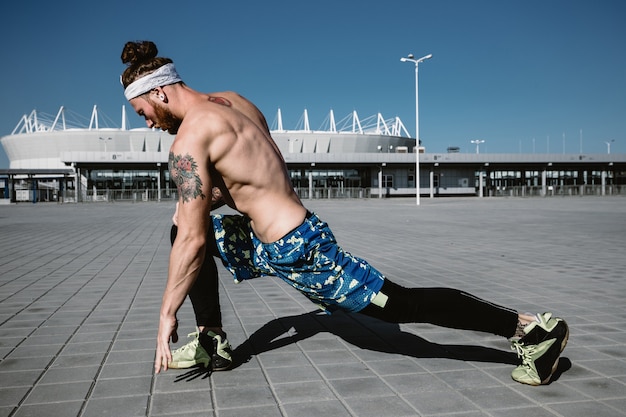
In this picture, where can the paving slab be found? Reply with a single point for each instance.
(80, 289)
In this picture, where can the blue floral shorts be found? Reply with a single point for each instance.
(308, 258)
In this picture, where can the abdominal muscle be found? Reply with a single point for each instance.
(272, 214)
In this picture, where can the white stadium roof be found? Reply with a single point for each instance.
(66, 120)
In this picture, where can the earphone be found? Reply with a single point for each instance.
(161, 97)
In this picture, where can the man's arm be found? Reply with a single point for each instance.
(189, 172)
(217, 201)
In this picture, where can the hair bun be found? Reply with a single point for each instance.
(138, 52)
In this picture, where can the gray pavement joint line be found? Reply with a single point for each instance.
(153, 378)
(311, 362)
(247, 334)
(70, 337)
(16, 245)
(27, 393)
(586, 291)
(327, 381)
(130, 306)
(380, 377)
(57, 285)
(84, 243)
(603, 401)
(91, 248)
(587, 397)
(47, 367)
(34, 300)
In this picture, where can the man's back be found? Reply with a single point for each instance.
(243, 161)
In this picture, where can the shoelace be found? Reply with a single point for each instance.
(524, 352)
(189, 345)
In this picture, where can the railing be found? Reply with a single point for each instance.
(319, 193)
(107, 195)
(555, 190)
(133, 196)
(98, 195)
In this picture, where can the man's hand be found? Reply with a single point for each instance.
(167, 330)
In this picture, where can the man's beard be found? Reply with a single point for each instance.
(166, 120)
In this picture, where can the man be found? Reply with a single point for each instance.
(229, 147)
(209, 345)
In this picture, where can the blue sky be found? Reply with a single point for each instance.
(512, 73)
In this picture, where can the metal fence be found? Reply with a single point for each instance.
(110, 196)
(333, 193)
(136, 195)
(556, 190)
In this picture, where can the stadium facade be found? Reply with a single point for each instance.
(53, 158)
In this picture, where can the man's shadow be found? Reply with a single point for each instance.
(364, 332)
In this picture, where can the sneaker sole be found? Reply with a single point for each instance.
(186, 365)
(215, 361)
(223, 368)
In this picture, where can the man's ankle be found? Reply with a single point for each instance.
(523, 320)
(217, 330)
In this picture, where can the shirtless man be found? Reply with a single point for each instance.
(209, 345)
(229, 147)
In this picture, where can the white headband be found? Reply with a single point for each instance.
(165, 75)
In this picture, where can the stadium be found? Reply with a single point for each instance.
(64, 158)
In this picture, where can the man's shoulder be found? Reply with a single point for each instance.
(206, 116)
(228, 94)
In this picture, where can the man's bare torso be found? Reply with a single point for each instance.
(244, 163)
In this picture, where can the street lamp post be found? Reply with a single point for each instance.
(105, 142)
(411, 58)
(477, 142)
(608, 146)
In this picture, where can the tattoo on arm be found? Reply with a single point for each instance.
(184, 172)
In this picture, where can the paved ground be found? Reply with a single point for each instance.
(80, 290)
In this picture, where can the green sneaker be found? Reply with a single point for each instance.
(539, 349)
(221, 355)
(191, 354)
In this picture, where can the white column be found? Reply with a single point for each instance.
(480, 183)
(432, 183)
(159, 182)
(603, 183)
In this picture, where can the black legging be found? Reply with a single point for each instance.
(445, 307)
